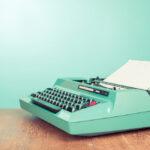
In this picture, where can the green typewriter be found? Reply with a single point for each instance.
(95, 106)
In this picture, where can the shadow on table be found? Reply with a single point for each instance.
(50, 130)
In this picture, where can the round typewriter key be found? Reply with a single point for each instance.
(73, 104)
(39, 97)
(84, 98)
(68, 101)
(54, 102)
(33, 95)
(49, 92)
(70, 109)
(77, 96)
(51, 101)
(67, 93)
(75, 101)
(78, 107)
(66, 106)
(68, 98)
(48, 101)
(61, 105)
(57, 90)
(59, 100)
(60, 91)
(44, 99)
(80, 97)
(79, 102)
(71, 99)
(58, 104)
(48, 95)
(65, 102)
(89, 100)
(53, 97)
(69, 104)
(45, 91)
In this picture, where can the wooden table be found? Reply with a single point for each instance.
(19, 130)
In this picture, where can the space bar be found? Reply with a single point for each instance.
(49, 107)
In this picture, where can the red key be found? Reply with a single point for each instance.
(92, 103)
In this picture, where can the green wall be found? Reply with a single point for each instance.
(41, 40)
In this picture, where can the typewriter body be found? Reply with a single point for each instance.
(89, 107)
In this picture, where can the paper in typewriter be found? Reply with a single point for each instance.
(133, 74)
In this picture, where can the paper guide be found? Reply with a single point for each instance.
(133, 74)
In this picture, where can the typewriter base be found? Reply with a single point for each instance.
(91, 127)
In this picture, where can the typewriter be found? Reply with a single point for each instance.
(90, 107)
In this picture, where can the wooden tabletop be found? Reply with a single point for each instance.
(19, 130)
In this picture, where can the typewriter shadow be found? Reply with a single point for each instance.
(51, 132)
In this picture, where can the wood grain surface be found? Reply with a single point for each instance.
(19, 130)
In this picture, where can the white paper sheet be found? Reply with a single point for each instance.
(134, 74)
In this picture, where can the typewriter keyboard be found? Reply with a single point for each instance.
(56, 99)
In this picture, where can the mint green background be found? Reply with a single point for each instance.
(41, 40)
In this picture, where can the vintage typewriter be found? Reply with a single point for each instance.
(90, 107)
